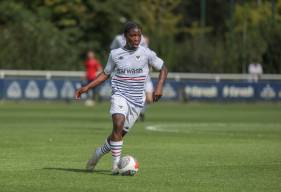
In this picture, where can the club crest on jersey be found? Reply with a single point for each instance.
(137, 57)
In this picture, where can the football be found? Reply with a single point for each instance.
(128, 166)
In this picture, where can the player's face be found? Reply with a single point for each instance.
(133, 38)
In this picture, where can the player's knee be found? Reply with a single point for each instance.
(116, 135)
(118, 126)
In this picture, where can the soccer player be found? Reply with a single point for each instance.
(93, 68)
(128, 67)
(120, 41)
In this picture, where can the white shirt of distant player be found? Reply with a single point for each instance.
(120, 41)
(129, 71)
(255, 68)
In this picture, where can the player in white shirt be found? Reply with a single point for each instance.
(255, 71)
(120, 41)
(129, 68)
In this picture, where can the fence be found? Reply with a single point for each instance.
(61, 85)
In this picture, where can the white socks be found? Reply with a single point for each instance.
(103, 149)
(116, 149)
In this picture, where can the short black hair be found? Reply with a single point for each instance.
(130, 25)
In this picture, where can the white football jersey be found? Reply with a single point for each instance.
(129, 71)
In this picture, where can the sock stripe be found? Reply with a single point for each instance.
(107, 148)
(116, 149)
(115, 145)
(115, 152)
(103, 150)
(115, 155)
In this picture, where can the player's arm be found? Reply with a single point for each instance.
(100, 78)
(157, 94)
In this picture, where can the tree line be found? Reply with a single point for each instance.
(191, 36)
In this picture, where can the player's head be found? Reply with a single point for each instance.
(132, 33)
(90, 54)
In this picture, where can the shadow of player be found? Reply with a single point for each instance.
(98, 171)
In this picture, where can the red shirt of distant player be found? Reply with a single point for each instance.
(92, 66)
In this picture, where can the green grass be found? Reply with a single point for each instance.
(180, 147)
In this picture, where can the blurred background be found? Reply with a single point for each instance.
(202, 36)
(191, 36)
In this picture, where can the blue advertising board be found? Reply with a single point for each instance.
(233, 91)
(61, 89)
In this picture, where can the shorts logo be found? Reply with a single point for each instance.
(138, 57)
(120, 106)
(120, 58)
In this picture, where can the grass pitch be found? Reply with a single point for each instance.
(180, 147)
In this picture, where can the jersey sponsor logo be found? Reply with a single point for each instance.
(129, 71)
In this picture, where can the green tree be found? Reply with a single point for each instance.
(29, 42)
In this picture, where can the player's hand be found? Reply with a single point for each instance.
(157, 94)
(79, 91)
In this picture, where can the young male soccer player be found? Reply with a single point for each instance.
(129, 68)
(120, 41)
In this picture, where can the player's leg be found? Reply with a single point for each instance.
(112, 143)
(122, 123)
(96, 156)
(116, 140)
(101, 151)
(119, 111)
(118, 108)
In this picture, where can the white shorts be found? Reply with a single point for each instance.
(148, 86)
(122, 106)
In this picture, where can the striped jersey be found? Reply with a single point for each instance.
(129, 70)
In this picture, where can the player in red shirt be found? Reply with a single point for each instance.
(93, 68)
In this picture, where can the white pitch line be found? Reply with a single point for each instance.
(172, 127)
(157, 128)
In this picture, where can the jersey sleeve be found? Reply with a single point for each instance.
(110, 65)
(154, 60)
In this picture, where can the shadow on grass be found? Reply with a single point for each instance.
(98, 171)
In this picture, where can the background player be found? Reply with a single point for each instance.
(93, 68)
(129, 67)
